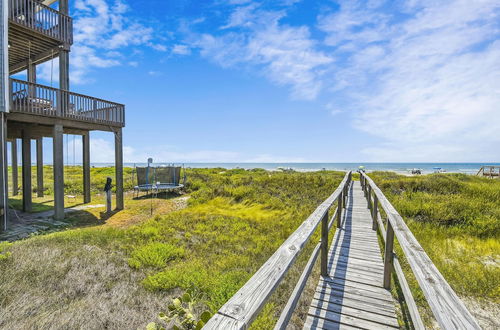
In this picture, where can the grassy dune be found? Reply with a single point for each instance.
(120, 271)
(456, 219)
(234, 220)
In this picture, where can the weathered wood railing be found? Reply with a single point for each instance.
(489, 171)
(37, 99)
(42, 18)
(245, 305)
(448, 309)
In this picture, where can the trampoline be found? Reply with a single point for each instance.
(155, 179)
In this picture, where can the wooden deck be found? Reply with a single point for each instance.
(353, 296)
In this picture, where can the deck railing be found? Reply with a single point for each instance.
(42, 18)
(42, 100)
(448, 309)
(245, 305)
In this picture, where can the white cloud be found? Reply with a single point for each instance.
(102, 31)
(181, 50)
(428, 84)
(155, 73)
(287, 55)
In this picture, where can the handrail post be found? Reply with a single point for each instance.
(339, 211)
(324, 245)
(375, 212)
(389, 257)
(369, 197)
(344, 195)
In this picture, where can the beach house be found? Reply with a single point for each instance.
(34, 32)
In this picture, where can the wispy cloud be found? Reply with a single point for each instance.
(181, 50)
(428, 83)
(285, 54)
(103, 32)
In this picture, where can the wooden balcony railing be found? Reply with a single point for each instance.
(46, 101)
(42, 19)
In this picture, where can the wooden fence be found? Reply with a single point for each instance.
(448, 309)
(245, 305)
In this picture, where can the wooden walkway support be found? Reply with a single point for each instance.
(489, 171)
(352, 295)
(353, 291)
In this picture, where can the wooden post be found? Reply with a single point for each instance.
(4, 187)
(39, 167)
(86, 167)
(26, 169)
(324, 245)
(375, 212)
(15, 175)
(58, 156)
(369, 197)
(108, 202)
(339, 211)
(389, 257)
(344, 195)
(119, 169)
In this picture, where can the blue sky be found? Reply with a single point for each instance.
(291, 80)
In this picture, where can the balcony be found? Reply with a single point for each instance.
(35, 99)
(36, 31)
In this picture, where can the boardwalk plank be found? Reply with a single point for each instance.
(354, 312)
(353, 296)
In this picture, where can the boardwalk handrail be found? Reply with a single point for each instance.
(449, 311)
(245, 305)
(489, 171)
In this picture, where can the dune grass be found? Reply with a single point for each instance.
(234, 221)
(456, 219)
(132, 262)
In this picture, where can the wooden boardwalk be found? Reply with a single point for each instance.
(353, 291)
(352, 296)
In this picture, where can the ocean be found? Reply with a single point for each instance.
(403, 168)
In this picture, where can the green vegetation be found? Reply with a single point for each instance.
(209, 242)
(4, 255)
(233, 222)
(456, 219)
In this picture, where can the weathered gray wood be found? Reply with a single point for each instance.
(388, 255)
(26, 169)
(347, 319)
(449, 311)
(4, 178)
(339, 211)
(39, 167)
(324, 244)
(354, 293)
(30, 99)
(58, 167)
(405, 287)
(119, 169)
(15, 175)
(243, 307)
(86, 167)
(356, 303)
(287, 312)
(375, 212)
(355, 312)
(317, 323)
(354, 288)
